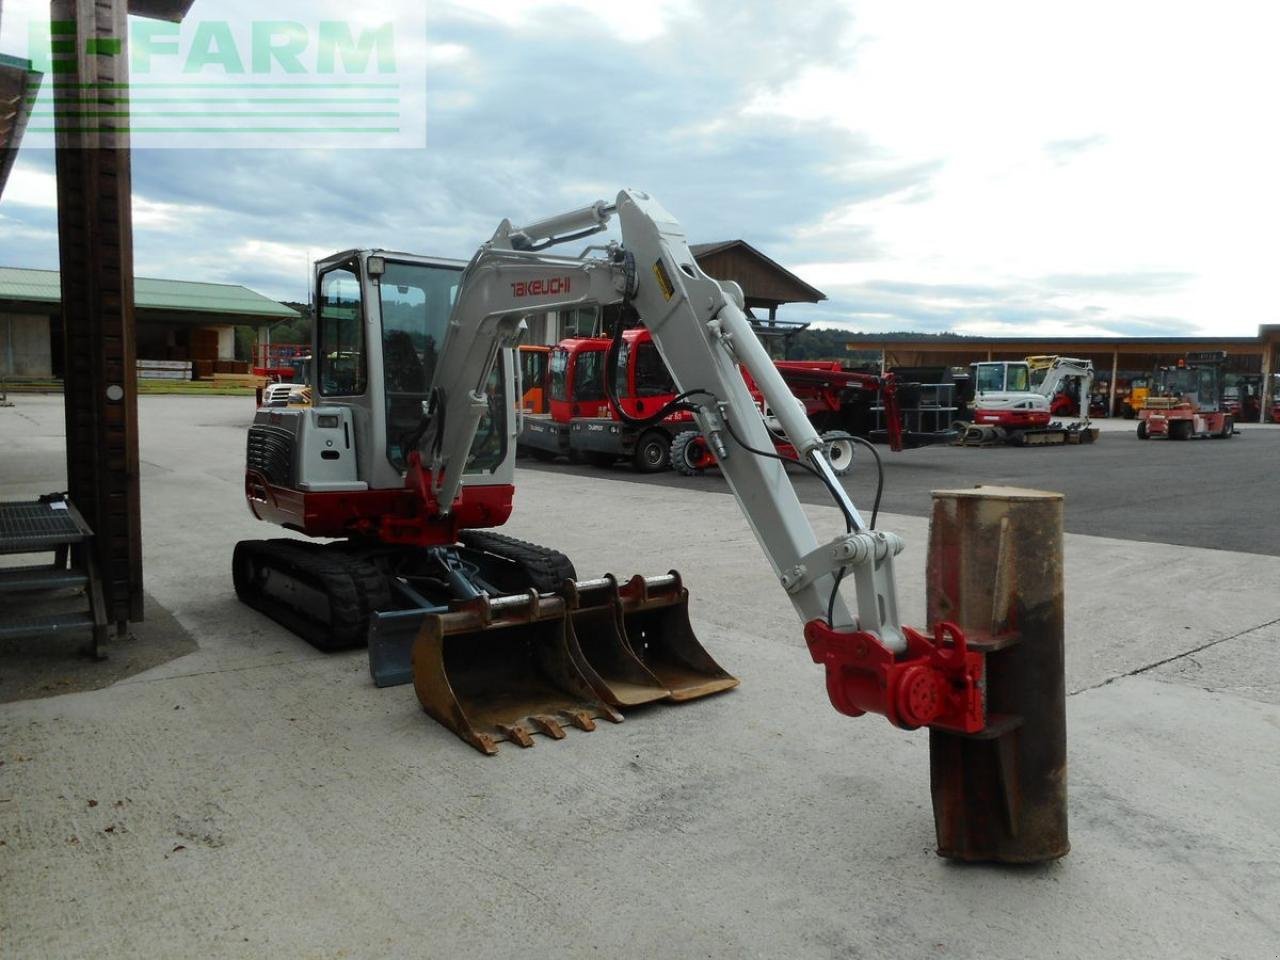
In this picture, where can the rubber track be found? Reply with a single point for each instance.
(347, 582)
(546, 569)
(370, 582)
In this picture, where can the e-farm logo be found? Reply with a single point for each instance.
(220, 83)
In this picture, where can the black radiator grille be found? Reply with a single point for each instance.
(271, 454)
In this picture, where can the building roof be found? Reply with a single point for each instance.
(154, 296)
(760, 277)
(19, 85)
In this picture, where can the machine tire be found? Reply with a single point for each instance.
(1142, 430)
(687, 451)
(1180, 430)
(653, 452)
(545, 569)
(839, 448)
(1129, 412)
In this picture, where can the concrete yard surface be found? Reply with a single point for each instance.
(256, 798)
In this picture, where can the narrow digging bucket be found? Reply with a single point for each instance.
(502, 670)
(655, 622)
(599, 646)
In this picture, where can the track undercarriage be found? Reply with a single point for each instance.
(1055, 434)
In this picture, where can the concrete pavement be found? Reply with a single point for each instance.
(255, 798)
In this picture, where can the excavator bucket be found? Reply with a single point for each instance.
(655, 622)
(503, 670)
(600, 649)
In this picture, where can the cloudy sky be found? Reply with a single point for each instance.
(980, 167)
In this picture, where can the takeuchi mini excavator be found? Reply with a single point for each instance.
(1010, 407)
(404, 462)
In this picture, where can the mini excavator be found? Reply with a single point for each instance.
(405, 463)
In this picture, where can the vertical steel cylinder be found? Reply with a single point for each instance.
(995, 568)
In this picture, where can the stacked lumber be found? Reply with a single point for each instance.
(164, 369)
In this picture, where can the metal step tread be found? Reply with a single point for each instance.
(16, 579)
(46, 625)
(32, 526)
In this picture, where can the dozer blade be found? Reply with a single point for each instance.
(501, 669)
(391, 638)
(600, 649)
(655, 621)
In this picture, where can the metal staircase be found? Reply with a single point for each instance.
(51, 524)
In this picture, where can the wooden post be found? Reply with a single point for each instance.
(1115, 372)
(95, 237)
(1268, 354)
(995, 568)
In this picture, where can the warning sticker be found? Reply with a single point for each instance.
(664, 280)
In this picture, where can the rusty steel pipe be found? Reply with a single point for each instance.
(995, 568)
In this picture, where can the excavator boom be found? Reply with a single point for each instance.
(700, 328)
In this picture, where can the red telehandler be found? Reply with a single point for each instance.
(580, 423)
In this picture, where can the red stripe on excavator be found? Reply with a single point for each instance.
(393, 516)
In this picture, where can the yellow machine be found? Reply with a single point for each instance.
(1139, 391)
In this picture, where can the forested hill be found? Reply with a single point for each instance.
(832, 344)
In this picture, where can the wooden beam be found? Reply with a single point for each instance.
(95, 239)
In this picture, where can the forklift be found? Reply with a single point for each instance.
(1188, 400)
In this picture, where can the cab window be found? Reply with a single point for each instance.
(652, 376)
(559, 374)
(489, 445)
(340, 334)
(588, 376)
(1019, 380)
(416, 300)
(990, 377)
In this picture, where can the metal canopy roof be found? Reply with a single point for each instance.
(154, 296)
(19, 85)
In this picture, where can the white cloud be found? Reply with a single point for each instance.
(629, 22)
(158, 215)
(918, 147)
(30, 187)
(1083, 137)
(1039, 328)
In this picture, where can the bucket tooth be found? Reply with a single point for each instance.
(549, 726)
(516, 734)
(600, 650)
(655, 622)
(490, 669)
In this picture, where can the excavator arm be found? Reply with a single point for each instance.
(1061, 369)
(699, 326)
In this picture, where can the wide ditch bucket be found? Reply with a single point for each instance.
(655, 622)
(503, 670)
(599, 646)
